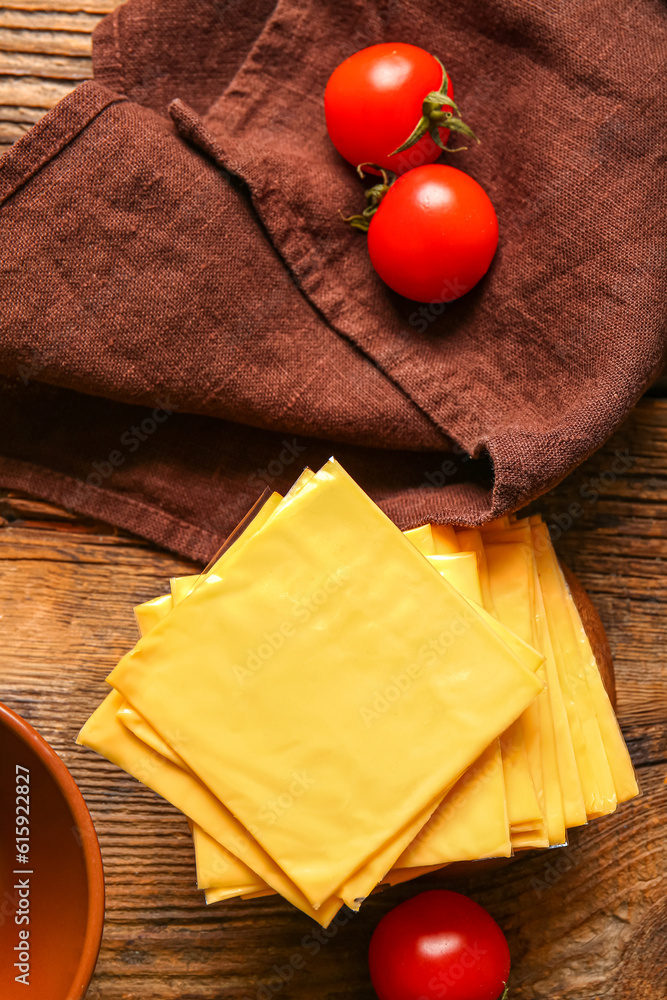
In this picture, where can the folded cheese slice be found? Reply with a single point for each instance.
(522, 805)
(252, 641)
(104, 733)
(512, 579)
(592, 763)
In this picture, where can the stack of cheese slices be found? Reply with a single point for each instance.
(335, 704)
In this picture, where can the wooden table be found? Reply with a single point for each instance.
(583, 922)
(587, 921)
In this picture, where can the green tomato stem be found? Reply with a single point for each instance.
(434, 118)
(373, 195)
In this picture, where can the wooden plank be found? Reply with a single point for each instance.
(583, 922)
(65, 43)
(29, 91)
(11, 131)
(42, 20)
(76, 6)
(9, 113)
(49, 67)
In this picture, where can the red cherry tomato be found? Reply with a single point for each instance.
(373, 101)
(438, 945)
(434, 234)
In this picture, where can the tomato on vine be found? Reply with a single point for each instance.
(391, 105)
(432, 233)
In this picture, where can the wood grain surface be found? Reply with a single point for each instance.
(45, 48)
(587, 921)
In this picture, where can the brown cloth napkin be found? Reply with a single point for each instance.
(185, 320)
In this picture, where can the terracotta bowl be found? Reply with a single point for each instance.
(52, 906)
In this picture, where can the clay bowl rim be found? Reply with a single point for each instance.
(89, 846)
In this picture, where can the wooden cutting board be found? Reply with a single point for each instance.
(587, 921)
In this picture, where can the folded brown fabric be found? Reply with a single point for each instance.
(186, 320)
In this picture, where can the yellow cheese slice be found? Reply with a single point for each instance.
(594, 773)
(150, 613)
(136, 723)
(422, 539)
(512, 579)
(399, 875)
(522, 805)
(470, 823)
(574, 808)
(218, 869)
(105, 734)
(470, 540)
(461, 570)
(295, 566)
(625, 781)
(498, 523)
(444, 539)
(181, 586)
(620, 765)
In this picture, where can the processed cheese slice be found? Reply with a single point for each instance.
(461, 570)
(181, 586)
(136, 724)
(594, 773)
(399, 875)
(472, 820)
(422, 539)
(444, 539)
(470, 540)
(104, 733)
(497, 523)
(218, 869)
(574, 808)
(150, 613)
(625, 782)
(522, 805)
(512, 575)
(470, 823)
(330, 534)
